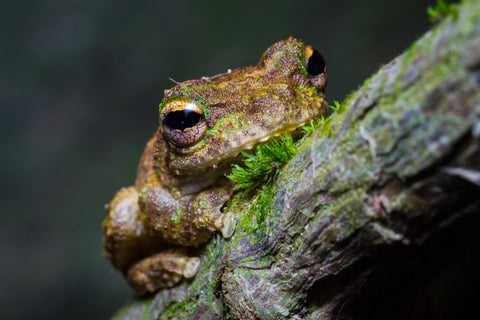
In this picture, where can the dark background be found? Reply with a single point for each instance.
(80, 85)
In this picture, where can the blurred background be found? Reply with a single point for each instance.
(80, 85)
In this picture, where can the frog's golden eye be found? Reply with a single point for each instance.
(183, 122)
(314, 63)
(316, 67)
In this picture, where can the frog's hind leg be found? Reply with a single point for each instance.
(162, 270)
(126, 237)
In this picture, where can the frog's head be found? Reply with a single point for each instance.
(206, 123)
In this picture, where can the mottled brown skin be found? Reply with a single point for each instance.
(181, 186)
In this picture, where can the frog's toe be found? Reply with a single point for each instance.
(228, 225)
(191, 267)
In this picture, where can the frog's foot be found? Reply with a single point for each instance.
(226, 224)
(162, 270)
(191, 267)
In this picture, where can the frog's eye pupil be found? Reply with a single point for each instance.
(315, 64)
(182, 119)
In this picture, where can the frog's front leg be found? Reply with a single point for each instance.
(191, 219)
(127, 238)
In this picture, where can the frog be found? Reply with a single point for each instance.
(153, 229)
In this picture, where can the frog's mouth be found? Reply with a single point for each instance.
(296, 131)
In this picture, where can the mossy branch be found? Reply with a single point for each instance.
(355, 224)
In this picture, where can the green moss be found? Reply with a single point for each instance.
(313, 125)
(442, 10)
(412, 52)
(348, 211)
(420, 49)
(253, 220)
(181, 309)
(347, 100)
(262, 166)
(338, 107)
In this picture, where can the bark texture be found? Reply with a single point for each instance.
(359, 220)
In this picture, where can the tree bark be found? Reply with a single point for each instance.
(376, 201)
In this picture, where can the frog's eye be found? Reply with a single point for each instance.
(314, 63)
(183, 122)
(316, 67)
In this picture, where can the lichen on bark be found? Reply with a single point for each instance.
(389, 177)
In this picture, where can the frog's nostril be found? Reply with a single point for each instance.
(315, 63)
(182, 119)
